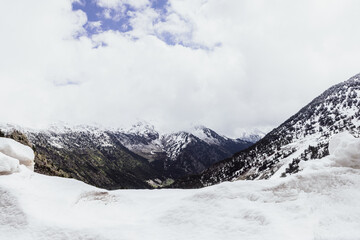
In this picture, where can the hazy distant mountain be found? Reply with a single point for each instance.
(253, 134)
(302, 137)
(138, 157)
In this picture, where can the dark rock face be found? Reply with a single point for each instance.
(199, 155)
(302, 137)
(84, 156)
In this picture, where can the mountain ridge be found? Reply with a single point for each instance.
(123, 158)
(304, 136)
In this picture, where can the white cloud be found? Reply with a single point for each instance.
(268, 59)
(179, 29)
(96, 25)
(143, 22)
(107, 13)
(109, 3)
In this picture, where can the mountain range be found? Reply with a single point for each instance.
(304, 136)
(137, 157)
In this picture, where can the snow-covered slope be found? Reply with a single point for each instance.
(302, 137)
(320, 202)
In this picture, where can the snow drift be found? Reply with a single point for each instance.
(345, 150)
(8, 164)
(12, 154)
(320, 202)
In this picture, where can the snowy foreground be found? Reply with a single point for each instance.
(320, 202)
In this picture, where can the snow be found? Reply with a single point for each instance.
(345, 150)
(12, 154)
(8, 164)
(174, 143)
(252, 134)
(202, 133)
(300, 146)
(142, 129)
(320, 202)
(55, 142)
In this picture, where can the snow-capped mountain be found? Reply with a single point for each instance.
(180, 153)
(124, 158)
(252, 135)
(302, 137)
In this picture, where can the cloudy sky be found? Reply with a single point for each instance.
(226, 64)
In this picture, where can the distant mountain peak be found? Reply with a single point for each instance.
(141, 126)
(144, 129)
(252, 134)
(207, 135)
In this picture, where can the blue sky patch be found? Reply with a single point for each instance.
(160, 5)
(102, 19)
(109, 19)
